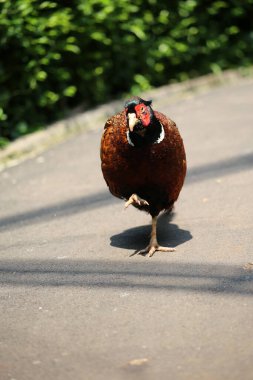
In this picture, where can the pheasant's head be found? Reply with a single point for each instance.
(139, 115)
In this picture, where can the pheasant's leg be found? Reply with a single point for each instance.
(135, 199)
(153, 244)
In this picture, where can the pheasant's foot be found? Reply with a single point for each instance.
(152, 248)
(153, 244)
(136, 200)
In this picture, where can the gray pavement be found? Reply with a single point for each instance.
(74, 305)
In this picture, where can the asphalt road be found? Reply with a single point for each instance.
(75, 305)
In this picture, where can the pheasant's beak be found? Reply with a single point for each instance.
(132, 121)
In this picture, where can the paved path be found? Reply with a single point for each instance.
(74, 305)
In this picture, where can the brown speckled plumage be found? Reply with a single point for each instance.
(155, 172)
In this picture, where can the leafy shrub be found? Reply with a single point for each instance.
(60, 53)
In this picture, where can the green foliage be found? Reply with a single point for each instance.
(57, 54)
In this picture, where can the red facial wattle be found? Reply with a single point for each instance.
(143, 114)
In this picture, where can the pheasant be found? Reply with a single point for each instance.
(143, 161)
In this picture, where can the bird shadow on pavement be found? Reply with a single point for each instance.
(168, 234)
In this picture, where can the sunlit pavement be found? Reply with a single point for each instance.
(75, 305)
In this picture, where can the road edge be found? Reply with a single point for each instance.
(34, 144)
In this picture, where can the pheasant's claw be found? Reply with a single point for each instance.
(135, 199)
(151, 249)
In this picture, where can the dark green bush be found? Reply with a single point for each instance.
(58, 54)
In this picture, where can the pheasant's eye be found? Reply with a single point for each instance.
(141, 109)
